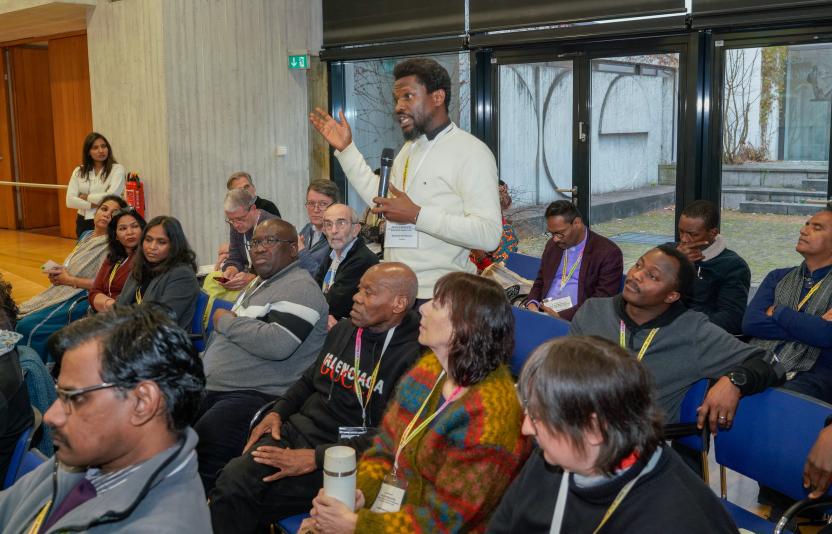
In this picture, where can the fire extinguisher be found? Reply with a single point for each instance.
(134, 192)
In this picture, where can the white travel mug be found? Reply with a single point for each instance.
(339, 474)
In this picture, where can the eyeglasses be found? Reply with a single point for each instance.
(338, 224)
(320, 205)
(267, 243)
(69, 397)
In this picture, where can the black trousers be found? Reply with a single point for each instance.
(222, 425)
(241, 502)
(82, 225)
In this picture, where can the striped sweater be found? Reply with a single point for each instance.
(458, 468)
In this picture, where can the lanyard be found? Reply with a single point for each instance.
(40, 518)
(622, 340)
(424, 157)
(409, 432)
(138, 295)
(116, 267)
(809, 295)
(361, 401)
(245, 293)
(246, 240)
(563, 492)
(566, 277)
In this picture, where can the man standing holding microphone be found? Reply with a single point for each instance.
(443, 183)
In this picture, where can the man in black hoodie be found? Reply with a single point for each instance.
(280, 471)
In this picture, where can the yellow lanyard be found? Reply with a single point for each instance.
(409, 432)
(41, 517)
(404, 175)
(622, 340)
(112, 277)
(564, 277)
(614, 506)
(138, 295)
(809, 295)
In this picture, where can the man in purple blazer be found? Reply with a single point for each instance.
(577, 264)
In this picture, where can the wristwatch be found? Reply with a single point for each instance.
(738, 378)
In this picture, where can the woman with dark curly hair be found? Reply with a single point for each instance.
(601, 465)
(450, 440)
(124, 233)
(164, 270)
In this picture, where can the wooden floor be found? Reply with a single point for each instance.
(22, 254)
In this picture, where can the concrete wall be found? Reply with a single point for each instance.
(201, 91)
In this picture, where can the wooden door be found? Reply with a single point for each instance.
(35, 140)
(69, 77)
(8, 210)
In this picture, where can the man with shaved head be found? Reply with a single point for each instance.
(260, 347)
(347, 262)
(340, 399)
(678, 346)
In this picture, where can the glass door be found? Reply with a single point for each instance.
(535, 142)
(632, 136)
(776, 116)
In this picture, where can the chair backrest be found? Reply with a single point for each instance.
(217, 305)
(524, 265)
(24, 443)
(41, 390)
(770, 438)
(199, 313)
(530, 330)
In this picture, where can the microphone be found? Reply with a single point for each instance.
(387, 156)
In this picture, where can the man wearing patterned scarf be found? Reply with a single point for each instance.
(791, 313)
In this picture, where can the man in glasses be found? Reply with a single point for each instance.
(577, 264)
(350, 258)
(242, 216)
(260, 347)
(129, 384)
(312, 244)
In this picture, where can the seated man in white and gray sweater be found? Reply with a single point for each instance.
(677, 345)
(260, 347)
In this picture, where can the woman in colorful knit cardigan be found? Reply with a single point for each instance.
(458, 466)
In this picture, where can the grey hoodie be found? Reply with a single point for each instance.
(164, 495)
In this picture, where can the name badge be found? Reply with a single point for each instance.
(563, 303)
(391, 495)
(397, 235)
(347, 432)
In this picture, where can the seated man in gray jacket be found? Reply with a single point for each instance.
(677, 345)
(130, 382)
(260, 347)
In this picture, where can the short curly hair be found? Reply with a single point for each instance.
(429, 73)
(8, 307)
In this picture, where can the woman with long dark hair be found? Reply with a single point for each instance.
(49, 310)
(98, 175)
(450, 440)
(164, 270)
(124, 234)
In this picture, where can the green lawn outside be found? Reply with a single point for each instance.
(765, 241)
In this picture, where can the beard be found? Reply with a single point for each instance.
(418, 127)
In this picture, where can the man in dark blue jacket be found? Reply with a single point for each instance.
(790, 314)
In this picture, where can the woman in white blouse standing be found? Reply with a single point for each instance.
(98, 176)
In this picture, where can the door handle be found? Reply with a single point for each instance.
(581, 132)
(572, 190)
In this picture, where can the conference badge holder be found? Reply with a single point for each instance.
(348, 432)
(398, 235)
(391, 495)
(563, 303)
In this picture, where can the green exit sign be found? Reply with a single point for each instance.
(299, 61)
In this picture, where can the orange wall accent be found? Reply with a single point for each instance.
(35, 141)
(69, 77)
(7, 207)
